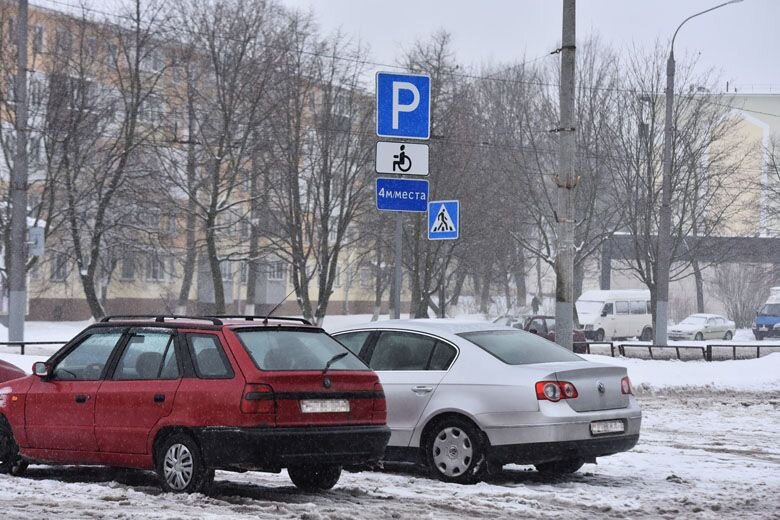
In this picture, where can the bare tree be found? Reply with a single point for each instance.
(741, 289)
(322, 146)
(234, 58)
(706, 196)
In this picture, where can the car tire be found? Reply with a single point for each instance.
(559, 467)
(759, 336)
(11, 463)
(647, 334)
(698, 337)
(181, 467)
(456, 451)
(599, 336)
(728, 335)
(315, 477)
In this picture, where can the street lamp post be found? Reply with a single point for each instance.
(663, 264)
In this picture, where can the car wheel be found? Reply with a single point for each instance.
(181, 467)
(11, 463)
(728, 335)
(758, 336)
(559, 467)
(647, 334)
(699, 336)
(314, 478)
(455, 451)
(599, 336)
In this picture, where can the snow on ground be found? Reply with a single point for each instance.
(708, 450)
(698, 457)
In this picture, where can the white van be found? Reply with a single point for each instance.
(608, 315)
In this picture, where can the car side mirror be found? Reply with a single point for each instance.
(604, 314)
(41, 369)
(533, 331)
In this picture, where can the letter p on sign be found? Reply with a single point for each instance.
(403, 103)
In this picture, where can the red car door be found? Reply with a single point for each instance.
(60, 410)
(139, 391)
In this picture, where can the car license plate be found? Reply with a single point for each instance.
(324, 405)
(603, 427)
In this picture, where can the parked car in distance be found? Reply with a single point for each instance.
(702, 326)
(767, 321)
(462, 397)
(615, 314)
(185, 396)
(10, 371)
(544, 326)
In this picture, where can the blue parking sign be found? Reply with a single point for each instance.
(443, 219)
(403, 105)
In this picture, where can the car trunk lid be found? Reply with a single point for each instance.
(598, 387)
(311, 398)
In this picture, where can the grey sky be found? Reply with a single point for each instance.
(741, 40)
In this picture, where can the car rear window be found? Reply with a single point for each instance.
(296, 349)
(518, 347)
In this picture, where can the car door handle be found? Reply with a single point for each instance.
(81, 398)
(159, 398)
(419, 390)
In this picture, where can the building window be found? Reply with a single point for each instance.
(365, 277)
(37, 42)
(128, 268)
(111, 55)
(244, 272)
(227, 270)
(171, 223)
(59, 268)
(277, 270)
(64, 41)
(150, 218)
(156, 268)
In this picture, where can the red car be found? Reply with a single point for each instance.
(544, 326)
(9, 371)
(186, 396)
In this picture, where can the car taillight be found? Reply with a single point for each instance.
(555, 391)
(380, 405)
(258, 399)
(625, 386)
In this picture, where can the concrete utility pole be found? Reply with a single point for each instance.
(17, 276)
(663, 265)
(567, 183)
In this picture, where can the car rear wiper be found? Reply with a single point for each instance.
(333, 360)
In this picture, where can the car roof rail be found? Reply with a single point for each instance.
(253, 318)
(160, 318)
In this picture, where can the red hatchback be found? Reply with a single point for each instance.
(186, 396)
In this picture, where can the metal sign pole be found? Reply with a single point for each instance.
(398, 278)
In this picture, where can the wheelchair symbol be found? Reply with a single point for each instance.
(403, 162)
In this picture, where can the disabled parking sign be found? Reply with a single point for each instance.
(403, 105)
(443, 219)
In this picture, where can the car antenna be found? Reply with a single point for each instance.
(265, 320)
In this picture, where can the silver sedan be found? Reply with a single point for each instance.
(464, 397)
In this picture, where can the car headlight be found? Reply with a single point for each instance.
(589, 327)
(755, 325)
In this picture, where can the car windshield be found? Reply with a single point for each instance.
(772, 309)
(693, 320)
(296, 349)
(588, 307)
(518, 347)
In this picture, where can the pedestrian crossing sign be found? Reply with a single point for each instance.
(443, 219)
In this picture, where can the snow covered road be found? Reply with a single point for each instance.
(706, 455)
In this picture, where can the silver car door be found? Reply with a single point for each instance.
(401, 360)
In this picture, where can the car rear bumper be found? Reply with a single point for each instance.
(539, 452)
(276, 448)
